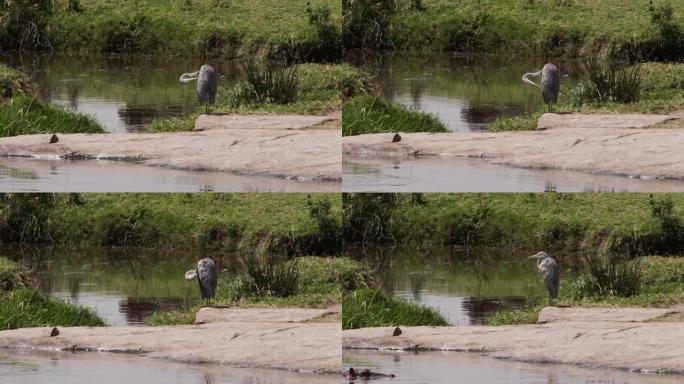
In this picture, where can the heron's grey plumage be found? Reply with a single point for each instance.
(548, 268)
(550, 82)
(207, 277)
(206, 85)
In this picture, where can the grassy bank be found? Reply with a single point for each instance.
(660, 284)
(309, 282)
(548, 28)
(21, 113)
(292, 224)
(645, 88)
(372, 114)
(21, 305)
(307, 89)
(633, 223)
(370, 307)
(292, 30)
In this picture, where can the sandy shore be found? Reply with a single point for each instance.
(646, 146)
(296, 147)
(293, 339)
(594, 337)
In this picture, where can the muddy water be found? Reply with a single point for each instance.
(123, 94)
(465, 93)
(105, 368)
(124, 286)
(465, 286)
(40, 175)
(453, 367)
(362, 174)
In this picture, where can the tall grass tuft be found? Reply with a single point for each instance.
(265, 275)
(265, 83)
(608, 275)
(13, 275)
(608, 82)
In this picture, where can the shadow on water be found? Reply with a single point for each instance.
(90, 367)
(124, 286)
(466, 93)
(454, 367)
(123, 93)
(467, 286)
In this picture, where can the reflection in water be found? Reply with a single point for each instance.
(453, 367)
(123, 93)
(431, 174)
(465, 93)
(124, 286)
(466, 286)
(108, 368)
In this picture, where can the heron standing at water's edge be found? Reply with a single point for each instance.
(550, 83)
(207, 277)
(548, 268)
(206, 85)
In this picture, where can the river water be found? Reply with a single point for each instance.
(467, 368)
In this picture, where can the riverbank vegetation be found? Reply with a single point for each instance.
(299, 30)
(22, 113)
(550, 28)
(286, 224)
(22, 305)
(302, 282)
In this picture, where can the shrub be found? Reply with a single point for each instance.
(328, 44)
(24, 217)
(329, 228)
(24, 23)
(13, 275)
(366, 23)
(367, 216)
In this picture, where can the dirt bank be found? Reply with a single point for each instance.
(289, 339)
(647, 146)
(594, 337)
(296, 147)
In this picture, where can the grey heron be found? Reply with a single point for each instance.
(550, 82)
(207, 277)
(206, 85)
(548, 268)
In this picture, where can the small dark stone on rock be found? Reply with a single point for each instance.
(396, 138)
(54, 332)
(397, 331)
(53, 140)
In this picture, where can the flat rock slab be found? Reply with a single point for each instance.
(297, 346)
(282, 315)
(291, 122)
(604, 120)
(553, 314)
(636, 152)
(311, 154)
(647, 347)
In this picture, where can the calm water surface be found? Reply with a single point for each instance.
(466, 286)
(122, 93)
(28, 367)
(465, 93)
(124, 286)
(467, 368)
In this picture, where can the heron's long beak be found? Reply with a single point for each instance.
(191, 274)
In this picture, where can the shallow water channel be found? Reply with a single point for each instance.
(108, 368)
(124, 286)
(458, 367)
(466, 286)
(433, 174)
(466, 93)
(122, 93)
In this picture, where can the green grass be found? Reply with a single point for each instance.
(12, 82)
(523, 27)
(372, 114)
(370, 307)
(13, 276)
(281, 223)
(661, 91)
(185, 27)
(662, 285)
(322, 88)
(322, 281)
(24, 308)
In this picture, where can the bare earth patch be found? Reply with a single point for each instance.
(283, 146)
(624, 339)
(256, 338)
(646, 146)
